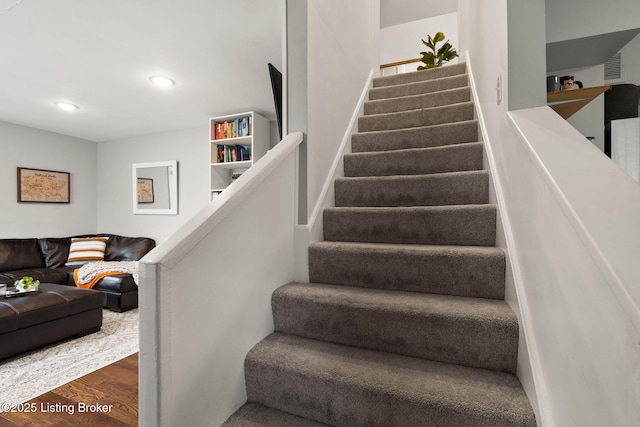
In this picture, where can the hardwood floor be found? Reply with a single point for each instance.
(107, 397)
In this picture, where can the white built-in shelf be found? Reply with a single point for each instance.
(233, 165)
(236, 142)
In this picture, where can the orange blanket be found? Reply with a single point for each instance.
(95, 280)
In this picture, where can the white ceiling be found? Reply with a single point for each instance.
(587, 51)
(396, 12)
(99, 55)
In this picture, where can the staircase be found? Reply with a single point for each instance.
(404, 322)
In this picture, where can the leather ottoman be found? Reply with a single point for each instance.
(53, 313)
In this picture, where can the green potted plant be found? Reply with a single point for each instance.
(437, 56)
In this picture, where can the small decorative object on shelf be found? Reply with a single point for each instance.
(236, 142)
(437, 57)
(26, 284)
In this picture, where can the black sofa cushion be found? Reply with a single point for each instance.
(55, 251)
(44, 275)
(121, 248)
(18, 254)
(116, 283)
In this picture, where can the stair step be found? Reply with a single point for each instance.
(474, 332)
(419, 137)
(415, 161)
(348, 386)
(473, 271)
(468, 225)
(420, 87)
(256, 415)
(417, 118)
(453, 188)
(416, 76)
(415, 102)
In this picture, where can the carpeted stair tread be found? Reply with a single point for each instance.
(469, 225)
(417, 118)
(256, 415)
(418, 137)
(415, 102)
(416, 76)
(474, 332)
(415, 161)
(417, 88)
(473, 271)
(348, 386)
(403, 321)
(452, 188)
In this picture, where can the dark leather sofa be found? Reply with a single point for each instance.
(44, 259)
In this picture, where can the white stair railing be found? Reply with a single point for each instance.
(205, 294)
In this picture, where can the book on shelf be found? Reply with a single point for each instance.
(232, 128)
(230, 154)
(233, 153)
(220, 151)
(243, 152)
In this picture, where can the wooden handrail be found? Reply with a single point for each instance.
(395, 64)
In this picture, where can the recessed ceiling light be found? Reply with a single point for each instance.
(66, 106)
(162, 81)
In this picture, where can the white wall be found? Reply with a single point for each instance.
(115, 210)
(625, 145)
(343, 47)
(396, 12)
(631, 61)
(33, 148)
(402, 42)
(527, 54)
(589, 120)
(483, 35)
(572, 19)
(578, 246)
(568, 215)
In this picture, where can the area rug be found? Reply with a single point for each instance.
(29, 375)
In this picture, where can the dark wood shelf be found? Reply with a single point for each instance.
(568, 102)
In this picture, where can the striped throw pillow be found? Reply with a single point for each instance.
(86, 249)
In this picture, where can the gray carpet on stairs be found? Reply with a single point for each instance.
(418, 88)
(256, 415)
(436, 327)
(416, 118)
(404, 321)
(414, 190)
(473, 271)
(470, 225)
(419, 137)
(433, 74)
(349, 386)
(416, 161)
(414, 102)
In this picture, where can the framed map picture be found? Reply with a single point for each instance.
(145, 190)
(43, 186)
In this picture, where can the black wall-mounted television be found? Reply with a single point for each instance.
(276, 86)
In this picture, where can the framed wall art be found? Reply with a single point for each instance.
(43, 186)
(145, 190)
